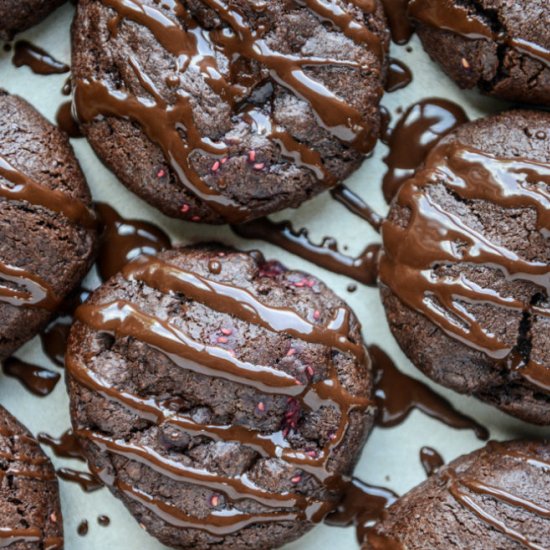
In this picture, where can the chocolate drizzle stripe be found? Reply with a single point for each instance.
(224, 522)
(25, 189)
(468, 502)
(238, 301)
(9, 536)
(36, 293)
(429, 240)
(453, 17)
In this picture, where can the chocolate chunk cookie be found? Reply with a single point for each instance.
(465, 271)
(220, 396)
(47, 230)
(494, 498)
(500, 46)
(219, 111)
(19, 15)
(30, 511)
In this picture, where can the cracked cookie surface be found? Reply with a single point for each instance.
(465, 269)
(500, 46)
(221, 397)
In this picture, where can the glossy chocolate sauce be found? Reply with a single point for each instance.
(431, 460)
(104, 520)
(124, 240)
(399, 76)
(398, 394)
(364, 268)
(430, 239)
(18, 286)
(37, 380)
(422, 125)
(400, 26)
(64, 446)
(385, 121)
(163, 123)
(88, 482)
(357, 206)
(121, 319)
(452, 16)
(36, 469)
(83, 528)
(38, 60)
(66, 122)
(361, 506)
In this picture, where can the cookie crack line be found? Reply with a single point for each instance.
(196, 49)
(121, 319)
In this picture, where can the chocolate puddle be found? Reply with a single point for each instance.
(37, 59)
(38, 380)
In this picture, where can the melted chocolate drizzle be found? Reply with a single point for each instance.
(431, 460)
(400, 26)
(417, 131)
(87, 482)
(38, 60)
(26, 288)
(398, 394)
(124, 240)
(399, 76)
(431, 236)
(65, 446)
(364, 268)
(38, 380)
(121, 319)
(361, 506)
(66, 122)
(454, 17)
(358, 206)
(163, 123)
(36, 471)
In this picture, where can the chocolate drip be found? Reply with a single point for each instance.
(38, 60)
(364, 268)
(431, 236)
(122, 319)
(163, 123)
(454, 17)
(417, 131)
(104, 520)
(358, 206)
(399, 76)
(82, 528)
(431, 460)
(361, 506)
(38, 380)
(400, 26)
(66, 122)
(397, 395)
(124, 240)
(66, 446)
(88, 482)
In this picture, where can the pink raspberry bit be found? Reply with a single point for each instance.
(185, 208)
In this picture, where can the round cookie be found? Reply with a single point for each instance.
(224, 114)
(30, 511)
(465, 270)
(496, 497)
(47, 230)
(19, 15)
(500, 46)
(220, 396)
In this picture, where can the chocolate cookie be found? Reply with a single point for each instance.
(220, 396)
(30, 512)
(494, 498)
(220, 111)
(465, 271)
(47, 230)
(19, 15)
(500, 46)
